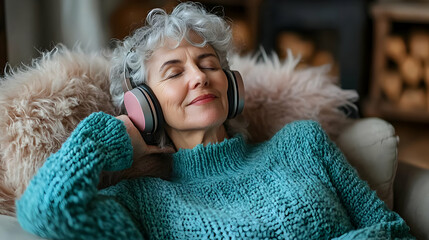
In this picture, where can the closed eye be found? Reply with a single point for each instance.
(209, 68)
(174, 75)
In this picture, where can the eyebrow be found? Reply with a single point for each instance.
(170, 62)
(205, 55)
(175, 61)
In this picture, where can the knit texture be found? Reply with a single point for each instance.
(297, 185)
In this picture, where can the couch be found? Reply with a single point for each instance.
(370, 145)
(64, 86)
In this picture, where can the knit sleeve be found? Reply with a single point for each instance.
(370, 215)
(62, 201)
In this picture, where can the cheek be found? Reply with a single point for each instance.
(170, 96)
(222, 87)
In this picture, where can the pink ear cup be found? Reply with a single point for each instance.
(134, 110)
(141, 110)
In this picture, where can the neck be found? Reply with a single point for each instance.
(191, 138)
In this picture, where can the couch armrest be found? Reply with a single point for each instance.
(370, 145)
(412, 198)
(10, 229)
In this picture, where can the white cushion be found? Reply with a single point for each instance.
(10, 229)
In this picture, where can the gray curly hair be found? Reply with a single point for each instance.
(136, 49)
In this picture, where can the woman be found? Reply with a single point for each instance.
(297, 185)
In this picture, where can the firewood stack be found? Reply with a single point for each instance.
(406, 82)
(307, 50)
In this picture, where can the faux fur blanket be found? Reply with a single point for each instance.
(41, 104)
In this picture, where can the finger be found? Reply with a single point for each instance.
(137, 141)
(122, 117)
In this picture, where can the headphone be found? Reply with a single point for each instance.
(145, 112)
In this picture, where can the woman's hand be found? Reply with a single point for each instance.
(140, 148)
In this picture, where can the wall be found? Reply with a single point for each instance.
(38, 25)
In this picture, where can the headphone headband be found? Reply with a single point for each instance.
(127, 83)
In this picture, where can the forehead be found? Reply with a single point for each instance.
(171, 50)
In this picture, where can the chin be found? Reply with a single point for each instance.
(207, 115)
(208, 120)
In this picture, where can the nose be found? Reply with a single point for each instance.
(197, 78)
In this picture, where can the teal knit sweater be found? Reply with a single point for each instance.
(297, 185)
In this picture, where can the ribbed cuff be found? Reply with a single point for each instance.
(110, 137)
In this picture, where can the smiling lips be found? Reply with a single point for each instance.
(202, 99)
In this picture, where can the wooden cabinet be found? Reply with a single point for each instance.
(399, 88)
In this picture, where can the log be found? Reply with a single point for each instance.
(322, 58)
(413, 99)
(294, 42)
(426, 74)
(426, 77)
(325, 57)
(427, 99)
(395, 48)
(335, 70)
(412, 71)
(302, 65)
(419, 45)
(392, 86)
